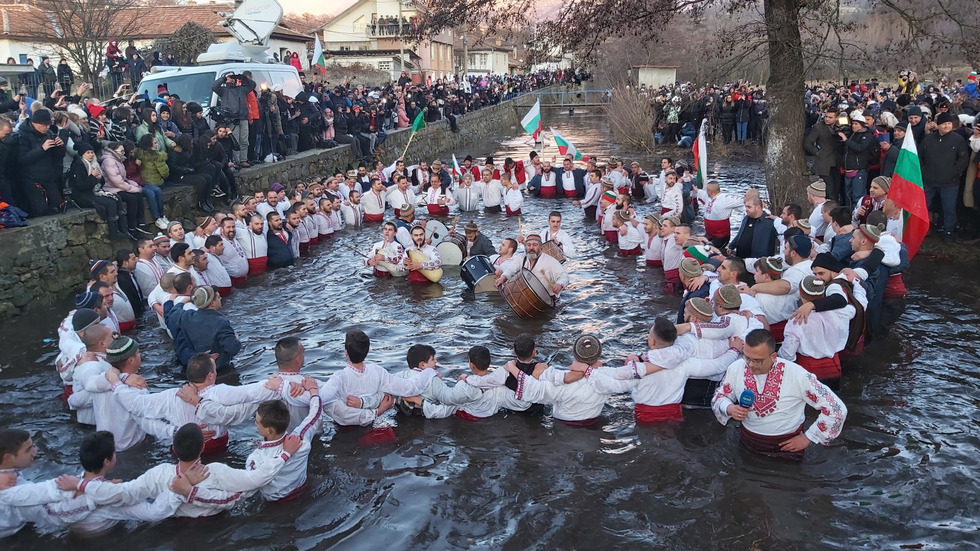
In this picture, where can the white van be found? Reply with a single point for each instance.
(194, 83)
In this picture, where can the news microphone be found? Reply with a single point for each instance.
(746, 399)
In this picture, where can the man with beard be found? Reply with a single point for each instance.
(279, 238)
(572, 179)
(544, 184)
(421, 256)
(545, 267)
(232, 255)
(352, 210)
(255, 244)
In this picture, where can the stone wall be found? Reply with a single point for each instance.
(49, 258)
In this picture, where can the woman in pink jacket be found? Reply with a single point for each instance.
(128, 191)
(403, 121)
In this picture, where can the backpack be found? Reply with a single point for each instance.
(858, 323)
(11, 216)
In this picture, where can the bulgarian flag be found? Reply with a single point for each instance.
(318, 59)
(566, 147)
(456, 171)
(532, 121)
(908, 194)
(701, 154)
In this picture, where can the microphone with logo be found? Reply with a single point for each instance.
(746, 399)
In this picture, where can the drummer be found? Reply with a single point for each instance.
(386, 254)
(421, 256)
(559, 236)
(545, 267)
(476, 242)
(504, 256)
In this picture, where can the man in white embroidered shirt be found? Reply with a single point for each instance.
(772, 425)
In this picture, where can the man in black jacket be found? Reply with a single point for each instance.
(280, 253)
(476, 242)
(892, 150)
(233, 91)
(823, 144)
(944, 155)
(859, 147)
(126, 281)
(36, 161)
(756, 236)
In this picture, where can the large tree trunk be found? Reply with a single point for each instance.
(785, 163)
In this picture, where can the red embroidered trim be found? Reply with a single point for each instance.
(272, 444)
(767, 400)
(234, 497)
(520, 385)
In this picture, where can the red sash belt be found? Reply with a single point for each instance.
(512, 212)
(778, 330)
(769, 445)
(215, 445)
(655, 263)
(623, 191)
(374, 217)
(377, 436)
(224, 291)
(654, 414)
(67, 394)
(665, 210)
(612, 236)
(580, 423)
(635, 251)
(895, 287)
(294, 494)
(718, 228)
(416, 276)
(571, 193)
(467, 416)
(127, 326)
(239, 281)
(314, 240)
(548, 191)
(672, 276)
(823, 368)
(437, 210)
(382, 274)
(257, 265)
(858, 350)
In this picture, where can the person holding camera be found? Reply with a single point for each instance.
(859, 149)
(37, 153)
(233, 92)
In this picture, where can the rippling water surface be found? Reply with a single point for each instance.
(902, 474)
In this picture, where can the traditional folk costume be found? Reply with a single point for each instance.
(549, 184)
(781, 397)
(495, 397)
(718, 211)
(578, 404)
(234, 260)
(431, 262)
(353, 214)
(513, 200)
(374, 206)
(468, 197)
(148, 273)
(394, 257)
(593, 192)
(440, 393)
(291, 478)
(432, 196)
(672, 202)
(630, 244)
(396, 198)
(672, 256)
(653, 249)
(256, 249)
(23, 503)
(493, 196)
(562, 238)
(606, 222)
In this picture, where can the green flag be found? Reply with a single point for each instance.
(419, 123)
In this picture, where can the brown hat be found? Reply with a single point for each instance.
(812, 287)
(653, 217)
(623, 215)
(728, 297)
(203, 296)
(872, 232)
(689, 268)
(701, 308)
(675, 220)
(471, 227)
(587, 349)
(817, 188)
(532, 237)
(883, 182)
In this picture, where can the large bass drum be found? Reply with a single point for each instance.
(436, 231)
(526, 294)
(478, 274)
(451, 250)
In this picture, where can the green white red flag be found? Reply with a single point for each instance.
(566, 147)
(318, 59)
(532, 121)
(907, 192)
(701, 154)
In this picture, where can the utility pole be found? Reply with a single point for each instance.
(466, 52)
(401, 41)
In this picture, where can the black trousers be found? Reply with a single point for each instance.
(41, 198)
(134, 208)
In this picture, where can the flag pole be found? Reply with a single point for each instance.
(410, 138)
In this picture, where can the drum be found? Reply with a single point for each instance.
(437, 231)
(526, 294)
(478, 274)
(451, 250)
(551, 248)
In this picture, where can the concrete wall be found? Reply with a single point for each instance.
(49, 259)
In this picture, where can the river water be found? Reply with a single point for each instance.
(902, 473)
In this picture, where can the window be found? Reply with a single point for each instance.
(190, 87)
(384, 65)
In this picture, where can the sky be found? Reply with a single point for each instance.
(314, 6)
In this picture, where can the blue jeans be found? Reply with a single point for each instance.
(741, 129)
(856, 188)
(947, 196)
(154, 198)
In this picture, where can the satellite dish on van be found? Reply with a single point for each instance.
(254, 21)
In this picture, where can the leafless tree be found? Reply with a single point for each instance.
(80, 29)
